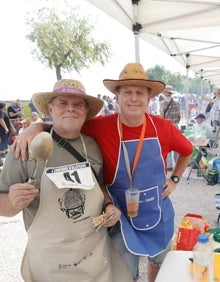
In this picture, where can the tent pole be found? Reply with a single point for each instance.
(187, 96)
(137, 48)
(136, 29)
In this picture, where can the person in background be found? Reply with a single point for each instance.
(60, 206)
(14, 114)
(111, 106)
(215, 110)
(208, 109)
(4, 132)
(13, 111)
(135, 145)
(33, 119)
(170, 109)
(203, 130)
(183, 107)
(19, 108)
(204, 127)
(105, 108)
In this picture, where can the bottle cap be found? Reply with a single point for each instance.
(203, 238)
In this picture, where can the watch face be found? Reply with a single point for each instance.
(175, 179)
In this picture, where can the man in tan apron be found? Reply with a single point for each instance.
(58, 210)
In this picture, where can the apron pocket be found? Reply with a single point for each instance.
(149, 213)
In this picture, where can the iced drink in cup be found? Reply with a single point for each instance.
(132, 200)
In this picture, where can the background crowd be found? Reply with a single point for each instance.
(196, 104)
(12, 121)
(13, 118)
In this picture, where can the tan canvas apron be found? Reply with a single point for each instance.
(62, 245)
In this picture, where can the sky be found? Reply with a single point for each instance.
(21, 75)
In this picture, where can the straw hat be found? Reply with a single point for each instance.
(133, 74)
(67, 87)
(169, 89)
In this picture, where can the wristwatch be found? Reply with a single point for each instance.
(175, 178)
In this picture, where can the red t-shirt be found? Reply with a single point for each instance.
(105, 131)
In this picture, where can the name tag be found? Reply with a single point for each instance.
(72, 176)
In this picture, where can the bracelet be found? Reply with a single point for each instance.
(107, 204)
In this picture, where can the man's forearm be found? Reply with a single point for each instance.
(107, 197)
(181, 164)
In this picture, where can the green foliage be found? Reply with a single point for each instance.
(26, 109)
(179, 82)
(64, 41)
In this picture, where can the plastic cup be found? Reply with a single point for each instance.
(132, 200)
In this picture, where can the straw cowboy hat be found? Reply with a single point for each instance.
(133, 74)
(169, 89)
(67, 87)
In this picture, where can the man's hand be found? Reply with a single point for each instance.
(113, 220)
(23, 140)
(21, 195)
(169, 187)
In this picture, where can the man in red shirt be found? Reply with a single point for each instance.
(135, 145)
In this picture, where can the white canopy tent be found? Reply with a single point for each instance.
(187, 30)
(195, 49)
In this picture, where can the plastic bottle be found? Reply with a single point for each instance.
(203, 260)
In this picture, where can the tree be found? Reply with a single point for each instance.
(158, 73)
(178, 81)
(64, 41)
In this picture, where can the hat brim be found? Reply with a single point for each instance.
(156, 86)
(171, 92)
(41, 100)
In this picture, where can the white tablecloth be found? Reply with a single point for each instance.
(175, 267)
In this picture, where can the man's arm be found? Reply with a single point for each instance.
(12, 114)
(3, 124)
(19, 197)
(23, 140)
(209, 100)
(107, 198)
(181, 164)
(109, 205)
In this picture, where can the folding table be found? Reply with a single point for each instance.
(176, 267)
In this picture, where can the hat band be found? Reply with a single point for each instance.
(69, 89)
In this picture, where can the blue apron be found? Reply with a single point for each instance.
(148, 233)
